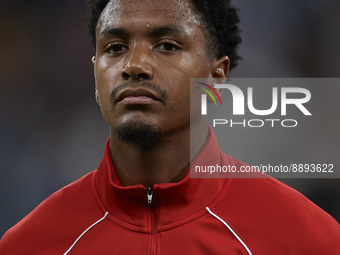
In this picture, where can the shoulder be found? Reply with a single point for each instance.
(66, 211)
(265, 210)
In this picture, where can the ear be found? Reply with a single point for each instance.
(219, 70)
(96, 93)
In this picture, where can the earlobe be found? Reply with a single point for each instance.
(93, 60)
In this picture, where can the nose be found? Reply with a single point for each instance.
(137, 66)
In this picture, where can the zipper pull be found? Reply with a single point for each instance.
(149, 195)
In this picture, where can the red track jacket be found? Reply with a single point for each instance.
(96, 215)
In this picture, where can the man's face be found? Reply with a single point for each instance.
(146, 53)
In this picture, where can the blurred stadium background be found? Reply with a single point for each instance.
(51, 129)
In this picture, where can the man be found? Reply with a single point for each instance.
(141, 199)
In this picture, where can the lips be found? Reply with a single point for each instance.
(137, 96)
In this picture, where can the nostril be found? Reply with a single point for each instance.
(126, 76)
(136, 71)
(143, 76)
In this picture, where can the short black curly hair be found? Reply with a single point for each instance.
(220, 20)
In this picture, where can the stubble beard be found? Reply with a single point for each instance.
(143, 134)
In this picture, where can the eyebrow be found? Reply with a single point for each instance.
(166, 29)
(113, 31)
(157, 31)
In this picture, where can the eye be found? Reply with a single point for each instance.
(114, 48)
(168, 47)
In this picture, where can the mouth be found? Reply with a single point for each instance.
(137, 96)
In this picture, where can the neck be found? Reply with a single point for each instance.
(166, 161)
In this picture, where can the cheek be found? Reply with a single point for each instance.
(106, 77)
(180, 105)
(106, 73)
(194, 65)
(188, 67)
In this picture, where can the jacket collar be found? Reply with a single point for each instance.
(174, 202)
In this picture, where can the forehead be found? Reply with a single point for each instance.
(149, 12)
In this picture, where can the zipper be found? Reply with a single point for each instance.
(153, 210)
(149, 195)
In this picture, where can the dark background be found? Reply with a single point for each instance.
(51, 129)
